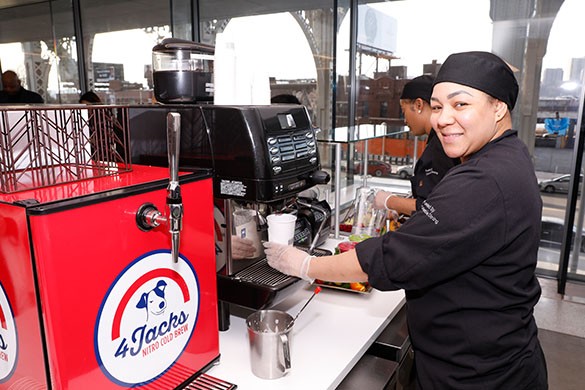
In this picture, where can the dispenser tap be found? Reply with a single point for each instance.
(148, 216)
(174, 199)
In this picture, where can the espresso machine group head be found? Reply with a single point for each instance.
(262, 158)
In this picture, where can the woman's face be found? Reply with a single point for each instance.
(465, 119)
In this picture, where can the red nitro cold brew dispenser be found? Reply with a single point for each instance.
(107, 270)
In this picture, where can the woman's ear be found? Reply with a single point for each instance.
(501, 109)
(419, 105)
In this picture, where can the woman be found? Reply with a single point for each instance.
(433, 163)
(466, 261)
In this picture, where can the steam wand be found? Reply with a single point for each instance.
(174, 199)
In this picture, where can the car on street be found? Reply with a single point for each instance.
(551, 233)
(375, 168)
(404, 171)
(557, 184)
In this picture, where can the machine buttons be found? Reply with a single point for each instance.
(297, 145)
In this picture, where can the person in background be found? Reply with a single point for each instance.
(467, 260)
(90, 97)
(285, 98)
(14, 92)
(433, 163)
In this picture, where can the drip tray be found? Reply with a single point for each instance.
(259, 286)
(318, 252)
(261, 273)
(208, 382)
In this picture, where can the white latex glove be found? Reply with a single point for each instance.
(381, 199)
(242, 248)
(288, 260)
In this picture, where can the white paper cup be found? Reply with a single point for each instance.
(281, 228)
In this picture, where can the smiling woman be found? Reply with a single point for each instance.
(468, 258)
(470, 109)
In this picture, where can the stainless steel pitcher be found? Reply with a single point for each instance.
(269, 335)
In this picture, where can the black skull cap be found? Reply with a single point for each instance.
(483, 71)
(418, 87)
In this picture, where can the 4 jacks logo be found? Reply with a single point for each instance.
(146, 319)
(8, 338)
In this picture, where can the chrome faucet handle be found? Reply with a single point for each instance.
(174, 199)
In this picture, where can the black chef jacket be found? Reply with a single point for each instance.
(430, 169)
(466, 261)
(23, 96)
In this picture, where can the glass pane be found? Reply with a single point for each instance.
(118, 41)
(393, 46)
(300, 46)
(554, 144)
(42, 54)
(281, 48)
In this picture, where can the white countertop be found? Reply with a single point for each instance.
(328, 338)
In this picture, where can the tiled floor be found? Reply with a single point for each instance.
(562, 314)
(561, 321)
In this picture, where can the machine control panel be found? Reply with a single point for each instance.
(290, 147)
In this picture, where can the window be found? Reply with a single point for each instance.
(304, 49)
(118, 41)
(43, 55)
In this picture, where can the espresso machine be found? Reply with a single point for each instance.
(264, 160)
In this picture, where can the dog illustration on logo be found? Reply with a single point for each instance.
(154, 300)
(3, 345)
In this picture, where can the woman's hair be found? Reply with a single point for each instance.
(285, 98)
(419, 87)
(90, 97)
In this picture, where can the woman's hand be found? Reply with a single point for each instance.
(288, 260)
